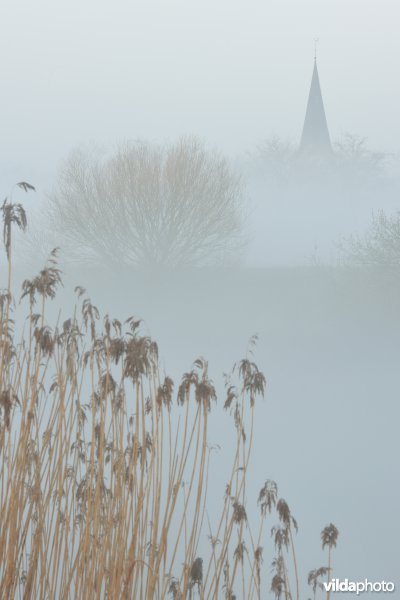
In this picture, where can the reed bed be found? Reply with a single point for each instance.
(104, 463)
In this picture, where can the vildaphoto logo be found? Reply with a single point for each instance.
(358, 587)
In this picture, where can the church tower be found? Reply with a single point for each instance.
(315, 139)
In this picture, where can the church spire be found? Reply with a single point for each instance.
(315, 137)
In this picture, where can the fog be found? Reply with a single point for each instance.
(307, 275)
(232, 72)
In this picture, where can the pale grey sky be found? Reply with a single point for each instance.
(231, 71)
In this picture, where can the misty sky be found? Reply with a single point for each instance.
(231, 71)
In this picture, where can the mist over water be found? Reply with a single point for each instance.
(327, 428)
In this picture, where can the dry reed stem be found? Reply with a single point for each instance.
(104, 478)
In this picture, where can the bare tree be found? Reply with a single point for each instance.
(148, 205)
(353, 148)
(379, 246)
(280, 158)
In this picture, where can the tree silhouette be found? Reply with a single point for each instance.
(148, 205)
(379, 246)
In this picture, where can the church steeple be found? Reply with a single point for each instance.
(315, 138)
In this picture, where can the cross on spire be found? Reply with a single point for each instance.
(316, 40)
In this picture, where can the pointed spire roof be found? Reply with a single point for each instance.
(315, 137)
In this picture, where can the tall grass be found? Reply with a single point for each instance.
(104, 468)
